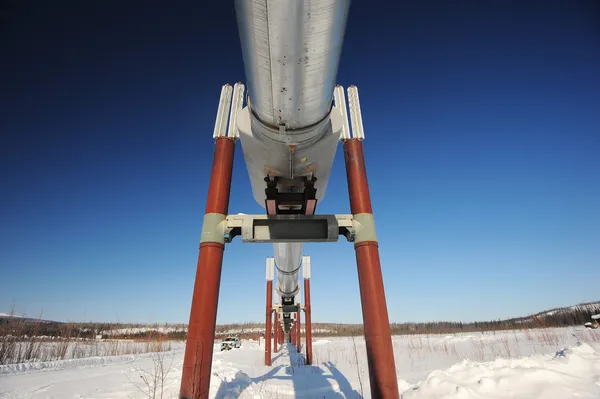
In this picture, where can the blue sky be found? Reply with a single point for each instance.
(483, 153)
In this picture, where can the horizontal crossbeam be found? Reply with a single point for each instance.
(289, 228)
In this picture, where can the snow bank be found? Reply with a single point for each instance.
(573, 372)
(20, 368)
(228, 381)
(63, 364)
(527, 364)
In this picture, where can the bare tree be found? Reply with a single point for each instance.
(153, 380)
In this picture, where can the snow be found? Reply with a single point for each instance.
(531, 364)
(573, 372)
(596, 317)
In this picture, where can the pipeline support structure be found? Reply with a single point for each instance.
(289, 125)
(197, 363)
(307, 309)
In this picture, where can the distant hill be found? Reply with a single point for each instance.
(6, 316)
(557, 317)
(567, 311)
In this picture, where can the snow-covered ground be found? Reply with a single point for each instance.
(552, 363)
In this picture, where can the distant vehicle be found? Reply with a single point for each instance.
(230, 343)
(591, 325)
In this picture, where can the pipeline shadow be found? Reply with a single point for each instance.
(307, 381)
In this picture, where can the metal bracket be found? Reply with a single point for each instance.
(230, 104)
(290, 308)
(353, 105)
(289, 228)
(284, 203)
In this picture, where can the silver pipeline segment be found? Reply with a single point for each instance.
(288, 257)
(291, 52)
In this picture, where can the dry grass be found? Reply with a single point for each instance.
(23, 342)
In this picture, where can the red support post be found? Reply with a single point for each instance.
(298, 332)
(307, 324)
(380, 353)
(293, 332)
(275, 331)
(268, 323)
(197, 361)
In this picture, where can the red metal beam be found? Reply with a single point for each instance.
(268, 324)
(275, 332)
(298, 332)
(380, 353)
(197, 361)
(307, 324)
(281, 335)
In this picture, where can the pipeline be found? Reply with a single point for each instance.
(289, 136)
(291, 52)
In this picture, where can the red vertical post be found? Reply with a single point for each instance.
(298, 333)
(380, 353)
(293, 334)
(275, 331)
(307, 324)
(197, 361)
(268, 323)
(281, 335)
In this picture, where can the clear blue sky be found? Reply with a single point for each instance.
(483, 152)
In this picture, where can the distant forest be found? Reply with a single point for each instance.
(560, 317)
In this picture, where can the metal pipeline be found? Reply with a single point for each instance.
(288, 258)
(291, 51)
